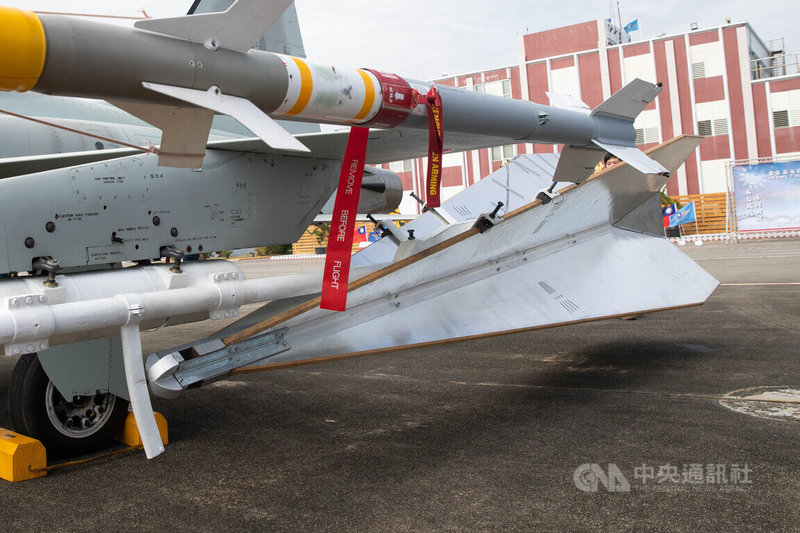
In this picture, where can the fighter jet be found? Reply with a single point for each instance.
(92, 197)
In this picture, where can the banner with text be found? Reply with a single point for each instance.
(767, 196)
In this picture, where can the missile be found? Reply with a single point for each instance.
(176, 73)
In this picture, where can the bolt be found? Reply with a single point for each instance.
(31, 348)
(43, 346)
(42, 298)
(29, 300)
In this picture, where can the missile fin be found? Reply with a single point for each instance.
(184, 131)
(577, 163)
(567, 101)
(238, 28)
(629, 101)
(241, 109)
(634, 157)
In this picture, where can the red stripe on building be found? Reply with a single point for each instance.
(665, 105)
(635, 49)
(452, 177)
(787, 140)
(761, 109)
(591, 88)
(687, 121)
(483, 159)
(614, 70)
(738, 127)
(562, 62)
(716, 147)
(709, 89)
(703, 37)
(449, 82)
(566, 40)
(407, 178)
(494, 75)
(784, 85)
(664, 98)
(516, 84)
(537, 82)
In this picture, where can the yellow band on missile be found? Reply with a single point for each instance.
(22, 42)
(306, 86)
(369, 97)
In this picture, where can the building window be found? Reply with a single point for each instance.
(496, 88)
(780, 119)
(500, 153)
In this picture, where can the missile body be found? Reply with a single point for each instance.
(96, 60)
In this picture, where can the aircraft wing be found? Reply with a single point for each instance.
(384, 146)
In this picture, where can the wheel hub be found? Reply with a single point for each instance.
(81, 417)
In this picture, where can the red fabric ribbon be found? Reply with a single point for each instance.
(433, 184)
(340, 238)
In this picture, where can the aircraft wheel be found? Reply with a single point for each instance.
(77, 426)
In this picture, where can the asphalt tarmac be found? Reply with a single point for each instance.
(480, 435)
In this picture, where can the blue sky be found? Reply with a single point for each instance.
(427, 39)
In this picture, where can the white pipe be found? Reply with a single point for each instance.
(75, 307)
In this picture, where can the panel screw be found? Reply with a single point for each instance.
(50, 227)
(29, 242)
(174, 232)
(156, 220)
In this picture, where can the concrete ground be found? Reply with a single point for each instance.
(480, 435)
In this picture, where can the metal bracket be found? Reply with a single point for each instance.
(547, 195)
(31, 316)
(486, 221)
(172, 371)
(228, 308)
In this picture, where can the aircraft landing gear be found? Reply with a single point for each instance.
(66, 427)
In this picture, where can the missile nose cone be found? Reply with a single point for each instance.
(22, 49)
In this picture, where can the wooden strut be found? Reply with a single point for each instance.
(314, 303)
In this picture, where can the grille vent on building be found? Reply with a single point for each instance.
(780, 119)
(704, 128)
(698, 70)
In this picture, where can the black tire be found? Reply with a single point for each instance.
(38, 410)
